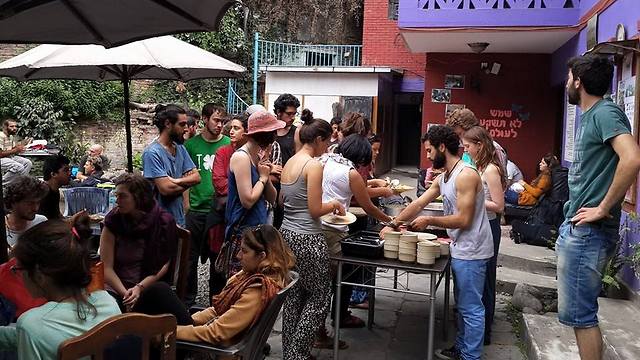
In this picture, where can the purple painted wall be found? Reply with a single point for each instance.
(453, 13)
(625, 12)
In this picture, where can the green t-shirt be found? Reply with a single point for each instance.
(202, 153)
(594, 160)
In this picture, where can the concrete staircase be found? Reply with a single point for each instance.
(544, 336)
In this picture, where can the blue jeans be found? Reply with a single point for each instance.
(469, 285)
(489, 295)
(511, 197)
(583, 252)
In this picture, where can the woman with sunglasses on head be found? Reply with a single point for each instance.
(265, 260)
(249, 185)
(54, 263)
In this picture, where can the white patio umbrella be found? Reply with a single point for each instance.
(163, 58)
(106, 22)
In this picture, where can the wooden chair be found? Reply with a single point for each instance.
(146, 328)
(251, 346)
(180, 269)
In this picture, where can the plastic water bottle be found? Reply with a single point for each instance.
(112, 199)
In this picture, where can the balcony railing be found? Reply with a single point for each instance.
(235, 104)
(272, 53)
(487, 13)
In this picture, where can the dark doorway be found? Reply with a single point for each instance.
(409, 120)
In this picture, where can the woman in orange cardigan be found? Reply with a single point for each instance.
(538, 187)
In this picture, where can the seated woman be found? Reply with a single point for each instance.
(54, 264)
(137, 241)
(266, 261)
(538, 187)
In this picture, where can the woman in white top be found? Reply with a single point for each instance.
(479, 144)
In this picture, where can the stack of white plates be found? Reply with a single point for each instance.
(428, 237)
(391, 241)
(427, 252)
(407, 247)
(444, 247)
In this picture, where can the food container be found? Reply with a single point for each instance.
(409, 237)
(426, 260)
(407, 251)
(390, 254)
(362, 246)
(426, 237)
(407, 258)
(444, 248)
(392, 235)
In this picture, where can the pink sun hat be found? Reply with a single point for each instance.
(262, 121)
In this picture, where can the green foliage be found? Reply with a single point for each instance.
(137, 161)
(76, 99)
(39, 119)
(229, 42)
(619, 260)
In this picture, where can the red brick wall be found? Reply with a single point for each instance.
(382, 43)
(522, 80)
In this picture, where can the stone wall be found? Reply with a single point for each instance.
(111, 135)
(8, 51)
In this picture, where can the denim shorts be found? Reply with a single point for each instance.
(583, 252)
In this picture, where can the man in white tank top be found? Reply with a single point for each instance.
(467, 224)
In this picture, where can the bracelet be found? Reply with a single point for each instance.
(140, 285)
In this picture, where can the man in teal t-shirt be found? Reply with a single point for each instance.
(202, 148)
(606, 163)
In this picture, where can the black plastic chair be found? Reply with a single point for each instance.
(251, 346)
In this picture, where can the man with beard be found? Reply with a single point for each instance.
(10, 146)
(465, 219)
(605, 164)
(198, 200)
(22, 200)
(167, 163)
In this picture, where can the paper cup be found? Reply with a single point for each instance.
(409, 237)
(392, 235)
(407, 258)
(426, 261)
(426, 237)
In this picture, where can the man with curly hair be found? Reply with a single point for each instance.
(22, 200)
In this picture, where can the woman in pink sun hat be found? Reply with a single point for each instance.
(249, 186)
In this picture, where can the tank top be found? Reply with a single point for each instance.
(234, 211)
(336, 184)
(296, 207)
(476, 242)
(487, 195)
(287, 144)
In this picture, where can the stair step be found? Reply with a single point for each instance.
(620, 325)
(547, 339)
(528, 258)
(508, 278)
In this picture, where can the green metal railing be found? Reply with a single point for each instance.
(235, 104)
(272, 53)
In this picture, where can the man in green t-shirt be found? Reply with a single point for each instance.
(605, 164)
(197, 201)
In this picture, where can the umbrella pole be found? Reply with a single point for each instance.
(127, 119)
(4, 256)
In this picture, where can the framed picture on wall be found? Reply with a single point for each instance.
(451, 108)
(441, 96)
(454, 81)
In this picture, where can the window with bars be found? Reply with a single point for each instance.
(393, 9)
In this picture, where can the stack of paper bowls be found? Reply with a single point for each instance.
(407, 247)
(428, 237)
(444, 247)
(391, 241)
(427, 252)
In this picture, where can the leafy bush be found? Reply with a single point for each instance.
(76, 99)
(38, 119)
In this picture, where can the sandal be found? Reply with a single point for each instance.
(327, 343)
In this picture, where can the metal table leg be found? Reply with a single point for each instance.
(336, 319)
(372, 302)
(447, 289)
(432, 316)
(395, 279)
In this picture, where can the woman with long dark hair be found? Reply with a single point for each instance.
(307, 305)
(531, 193)
(479, 145)
(54, 263)
(137, 241)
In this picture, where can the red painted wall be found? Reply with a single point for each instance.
(524, 117)
(382, 43)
